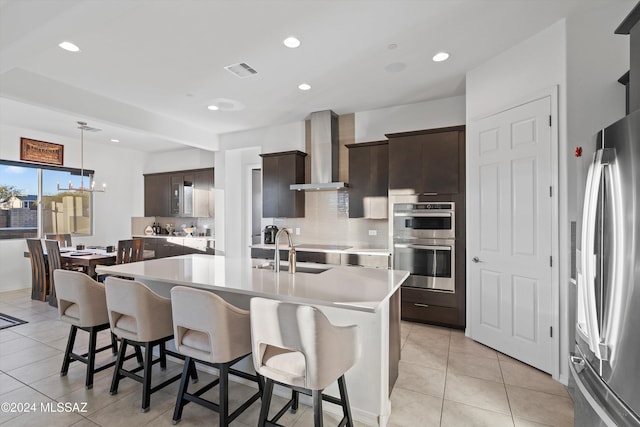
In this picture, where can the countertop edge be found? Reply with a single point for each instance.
(350, 251)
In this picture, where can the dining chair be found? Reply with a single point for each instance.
(39, 273)
(131, 250)
(298, 347)
(55, 262)
(64, 239)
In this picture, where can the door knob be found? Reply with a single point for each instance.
(475, 259)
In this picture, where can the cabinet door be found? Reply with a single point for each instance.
(176, 195)
(203, 205)
(270, 187)
(405, 168)
(440, 157)
(279, 171)
(156, 195)
(368, 177)
(188, 196)
(359, 185)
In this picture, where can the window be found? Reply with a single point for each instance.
(23, 185)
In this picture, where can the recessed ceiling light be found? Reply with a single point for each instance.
(304, 86)
(115, 140)
(69, 46)
(213, 107)
(392, 46)
(440, 56)
(291, 42)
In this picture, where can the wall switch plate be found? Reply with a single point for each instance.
(373, 232)
(297, 231)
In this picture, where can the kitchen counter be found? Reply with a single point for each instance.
(166, 236)
(337, 286)
(367, 297)
(328, 249)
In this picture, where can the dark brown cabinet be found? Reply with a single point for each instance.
(279, 171)
(426, 162)
(180, 194)
(368, 179)
(156, 195)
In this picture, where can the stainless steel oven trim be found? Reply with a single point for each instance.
(424, 214)
(414, 246)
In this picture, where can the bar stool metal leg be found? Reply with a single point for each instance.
(146, 385)
(346, 407)
(316, 397)
(266, 402)
(67, 354)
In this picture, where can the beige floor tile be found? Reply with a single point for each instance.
(328, 418)
(411, 409)
(522, 375)
(7, 335)
(521, 422)
(56, 386)
(472, 366)
(128, 411)
(421, 379)
(477, 392)
(20, 396)
(84, 423)
(52, 417)
(8, 383)
(17, 344)
(456, 414)
(527, 404)
(38, 370)
(27, 357)
(422, 329)
(432, 354)
(463, 345)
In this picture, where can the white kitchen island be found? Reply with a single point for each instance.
(368, 297)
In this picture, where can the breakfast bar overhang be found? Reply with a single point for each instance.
(367, 297)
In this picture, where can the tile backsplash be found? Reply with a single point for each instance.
(327, 221)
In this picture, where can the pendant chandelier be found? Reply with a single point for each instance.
(82, 189)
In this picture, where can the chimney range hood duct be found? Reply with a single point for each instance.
(324, 153)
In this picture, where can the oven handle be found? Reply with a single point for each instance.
(429, 247)
(424, 214)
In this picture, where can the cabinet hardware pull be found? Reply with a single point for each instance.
(421, 305)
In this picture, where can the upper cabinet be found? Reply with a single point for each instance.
(180, 194)
(368, 179)
(427, 162)
(156, 194)
(279, 171)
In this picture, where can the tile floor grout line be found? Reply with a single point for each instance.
(504, 384)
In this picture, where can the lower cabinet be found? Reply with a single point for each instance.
(164, 247)
(439, 308)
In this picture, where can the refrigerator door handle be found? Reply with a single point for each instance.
(589, 257)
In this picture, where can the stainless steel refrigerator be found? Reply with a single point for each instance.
(605, 364)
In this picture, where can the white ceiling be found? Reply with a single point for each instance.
(148, 68)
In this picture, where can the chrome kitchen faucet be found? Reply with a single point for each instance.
(292, 252)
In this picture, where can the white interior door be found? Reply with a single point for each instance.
(509, 232)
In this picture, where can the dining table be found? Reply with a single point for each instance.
(88, 258)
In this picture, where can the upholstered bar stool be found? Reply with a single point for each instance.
(82, 303)
(142, 318)
(210, 331)
(296, 346)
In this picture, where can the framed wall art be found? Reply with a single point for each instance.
(32, 150)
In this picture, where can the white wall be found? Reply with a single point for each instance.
(119, 167)
(584, 58)
(176, 160)
(372, 125)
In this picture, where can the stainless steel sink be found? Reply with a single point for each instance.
(299, 268)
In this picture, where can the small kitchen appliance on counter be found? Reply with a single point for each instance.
(270, 234)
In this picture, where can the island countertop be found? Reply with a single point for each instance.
(353, 288)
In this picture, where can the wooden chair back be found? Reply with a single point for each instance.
(64, 239)
(129, 251)
(55, 262)
(39, 274)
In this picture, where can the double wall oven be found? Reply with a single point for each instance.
(424, 243)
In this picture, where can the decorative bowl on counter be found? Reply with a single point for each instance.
(189, 231)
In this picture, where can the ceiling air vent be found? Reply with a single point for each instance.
(241, 70)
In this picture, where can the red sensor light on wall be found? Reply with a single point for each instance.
(578, 151)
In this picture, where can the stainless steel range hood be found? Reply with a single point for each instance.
(324, 153)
